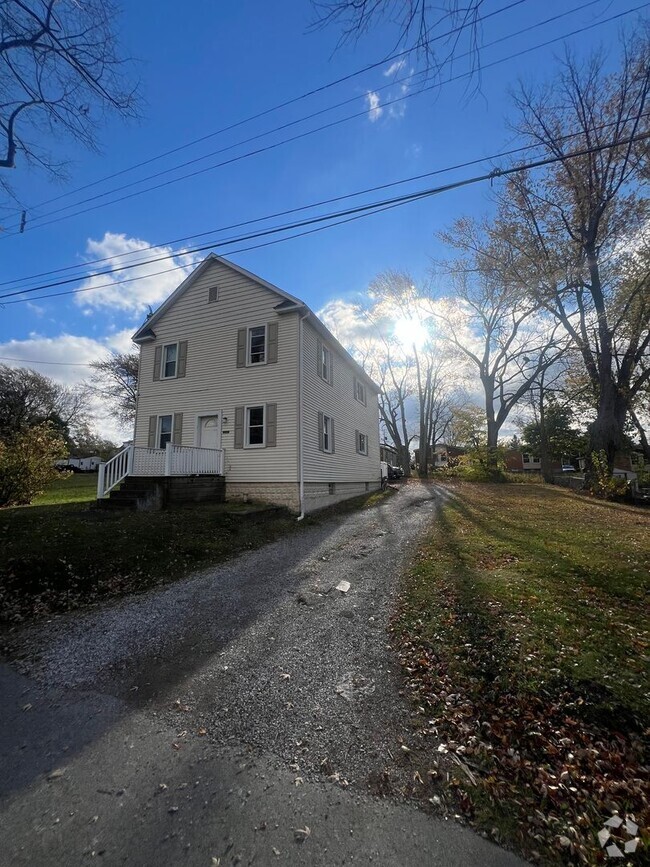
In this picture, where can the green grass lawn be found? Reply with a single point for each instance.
(72, 488)
(523, 629)
(59, 554)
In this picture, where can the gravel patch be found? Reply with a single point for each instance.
(264, 650)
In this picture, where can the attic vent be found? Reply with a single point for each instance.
(213, 293)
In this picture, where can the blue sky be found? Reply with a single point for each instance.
(220, 63)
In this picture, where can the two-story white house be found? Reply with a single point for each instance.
(242, 380)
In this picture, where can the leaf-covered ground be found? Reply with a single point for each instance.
(523, 632)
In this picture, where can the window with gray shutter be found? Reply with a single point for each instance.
(241, 347)
(177, 436)
(153, 426)
(271, 421)
(157, 361)
(182, 359)
(272, 343)
(239, 427)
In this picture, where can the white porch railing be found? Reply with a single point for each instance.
(173, 460)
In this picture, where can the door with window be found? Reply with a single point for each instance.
(210, 431)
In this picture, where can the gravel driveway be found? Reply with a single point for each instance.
(216, 717)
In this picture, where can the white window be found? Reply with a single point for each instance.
(255, 427)
(327, 433)
(362, 443)
(165, 426)
(526, 458)
(169, 361)
(325, 362)
(257, 345)
(360, 391)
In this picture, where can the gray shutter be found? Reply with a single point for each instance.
(271, 422)
(332, 434)
(241, 347)
(213, 293)
(321, 445)
(239, 427)
(356, 441)
(153, 427)
(330, 372)
(177, 429)
(157, 361)
(319, 358)
(182, 359)
(272, 349)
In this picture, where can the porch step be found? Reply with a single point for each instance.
(155, 492)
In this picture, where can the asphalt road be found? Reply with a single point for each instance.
(241, 716)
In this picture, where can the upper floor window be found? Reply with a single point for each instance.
(257, 345)
(362, 443)
(325, 362)
(169, 361)
(360, 391)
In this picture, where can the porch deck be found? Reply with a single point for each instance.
(173, 460)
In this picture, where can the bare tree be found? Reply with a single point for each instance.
(418, 23)
(28, 399)
(577, 230)
(501, 334)
(60, 75)
(116, 379)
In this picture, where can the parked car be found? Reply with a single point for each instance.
(395, 472)
(568, 468)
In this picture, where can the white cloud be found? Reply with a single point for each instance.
(65, 359)
(153, 282)
(395, 67)
(375, 110)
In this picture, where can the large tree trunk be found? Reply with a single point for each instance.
(607, 432)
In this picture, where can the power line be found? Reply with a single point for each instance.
(362, 211)
(61, 363)
(323, 127)
(242, 224)
(321, 88)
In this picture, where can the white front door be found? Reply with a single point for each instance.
(210, 431)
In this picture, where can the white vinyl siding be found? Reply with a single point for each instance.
(348, 414)
(214, 383)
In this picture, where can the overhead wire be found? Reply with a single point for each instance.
(189, 251)
(359, 212)
(330, 125)
(285, 104)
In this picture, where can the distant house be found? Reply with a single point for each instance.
(520, 462)
(388, 453)
(441, 456)
(80, 465)
(242, 383)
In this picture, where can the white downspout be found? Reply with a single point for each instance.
(301, 475)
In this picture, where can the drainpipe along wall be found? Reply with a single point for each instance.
(301, 477)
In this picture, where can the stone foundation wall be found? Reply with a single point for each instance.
(319, 495)
(279, 493)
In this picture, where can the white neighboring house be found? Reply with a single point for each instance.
(82, 465)
(238, 378)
